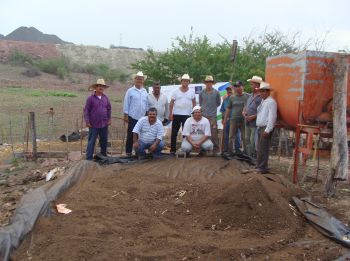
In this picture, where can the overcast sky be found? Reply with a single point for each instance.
(155, 23)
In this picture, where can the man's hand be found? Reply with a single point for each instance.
(136, 145)
(88, 125)
(196, 146)
(171, 117)
(224, 122)
(266, 134)
(153, 147)
(126, 120)
(109, 122)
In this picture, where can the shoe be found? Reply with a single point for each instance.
(129, 154)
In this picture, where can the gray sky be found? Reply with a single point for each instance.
(155, 23)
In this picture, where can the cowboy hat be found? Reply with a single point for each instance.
(256, 79)
(265, 86)
(139, 74)
(185, 77)
(98, 83)
(209, 78)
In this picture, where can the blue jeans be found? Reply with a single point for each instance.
(227, 134)
(144, 146)
(103, 135)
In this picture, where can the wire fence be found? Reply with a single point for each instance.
(53, 126)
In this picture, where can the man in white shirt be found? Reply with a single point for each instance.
(265, 122)
(135, 107)
(148, 134)
(181, 104)
(159, 101)
(196, 132)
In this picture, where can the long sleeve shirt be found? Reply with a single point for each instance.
(97, 111)
(162, 105)
(135, 102)
(267, 114)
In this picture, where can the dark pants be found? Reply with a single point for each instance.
(263, 150)
(129, 137)
(178, 120)
(103, 136)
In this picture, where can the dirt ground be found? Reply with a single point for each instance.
(185, 209)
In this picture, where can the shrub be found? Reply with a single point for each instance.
(20, 58)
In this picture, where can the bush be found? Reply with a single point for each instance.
(20, 58)
(62, 94)
(59, 67)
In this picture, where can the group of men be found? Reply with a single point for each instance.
(248, 119)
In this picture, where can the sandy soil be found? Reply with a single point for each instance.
(185, 209)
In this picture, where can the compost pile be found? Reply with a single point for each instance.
(170, 210)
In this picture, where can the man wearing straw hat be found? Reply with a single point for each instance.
(97, 115)
(249, 113)
(209, 100)
(135, 107)
(265, 121)
(182, 101)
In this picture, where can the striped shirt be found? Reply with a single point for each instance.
(149, 133)
(135, 102)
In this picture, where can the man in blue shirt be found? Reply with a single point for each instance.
(148, 134)
(135, 107)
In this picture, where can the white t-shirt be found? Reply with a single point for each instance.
(196, 129)
(183, 102)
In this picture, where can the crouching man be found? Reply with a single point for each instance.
(148, 134)
(196, 132)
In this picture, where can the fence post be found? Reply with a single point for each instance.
(32, 125)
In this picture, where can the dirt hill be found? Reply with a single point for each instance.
(31, 34)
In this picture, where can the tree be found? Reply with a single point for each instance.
(198, 57)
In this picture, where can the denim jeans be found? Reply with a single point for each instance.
(103, 136)
(129, 137)
(144, 146)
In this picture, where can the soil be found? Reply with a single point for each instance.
(185, 209)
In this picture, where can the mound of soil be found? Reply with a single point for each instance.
(172, 210)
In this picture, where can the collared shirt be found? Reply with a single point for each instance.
(97, 111)
(148, 133)
(267, 114)
(209, 101)
(251, 107)
(135, 102)
(162, 105)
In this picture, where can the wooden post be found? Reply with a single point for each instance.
(33, 128)
(339, 153)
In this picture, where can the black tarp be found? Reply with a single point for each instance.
(35, 204)
(324, 222)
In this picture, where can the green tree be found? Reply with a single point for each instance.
(198, 57)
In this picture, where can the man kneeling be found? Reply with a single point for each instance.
(147, 134)
(196, 132)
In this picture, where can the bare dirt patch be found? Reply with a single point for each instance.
(176, 210)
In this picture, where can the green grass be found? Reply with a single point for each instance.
(62, 94)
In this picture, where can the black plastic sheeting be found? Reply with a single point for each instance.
(324, 222)
(106, 160)
(35, 204)
(242, 157)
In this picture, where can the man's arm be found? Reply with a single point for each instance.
(218, 99)
(272, 116)
(200, 98)
(126, 106)
(171, 107)
(87, 110)
(193, 102)
(166, 112)
(227, 115)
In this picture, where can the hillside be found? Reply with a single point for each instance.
(31, 34)
(2, 36)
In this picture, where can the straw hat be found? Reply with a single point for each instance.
(256, 79)
(185, 77)
(265, 86)
(98, 83)
(209, 78)
(139, 74)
